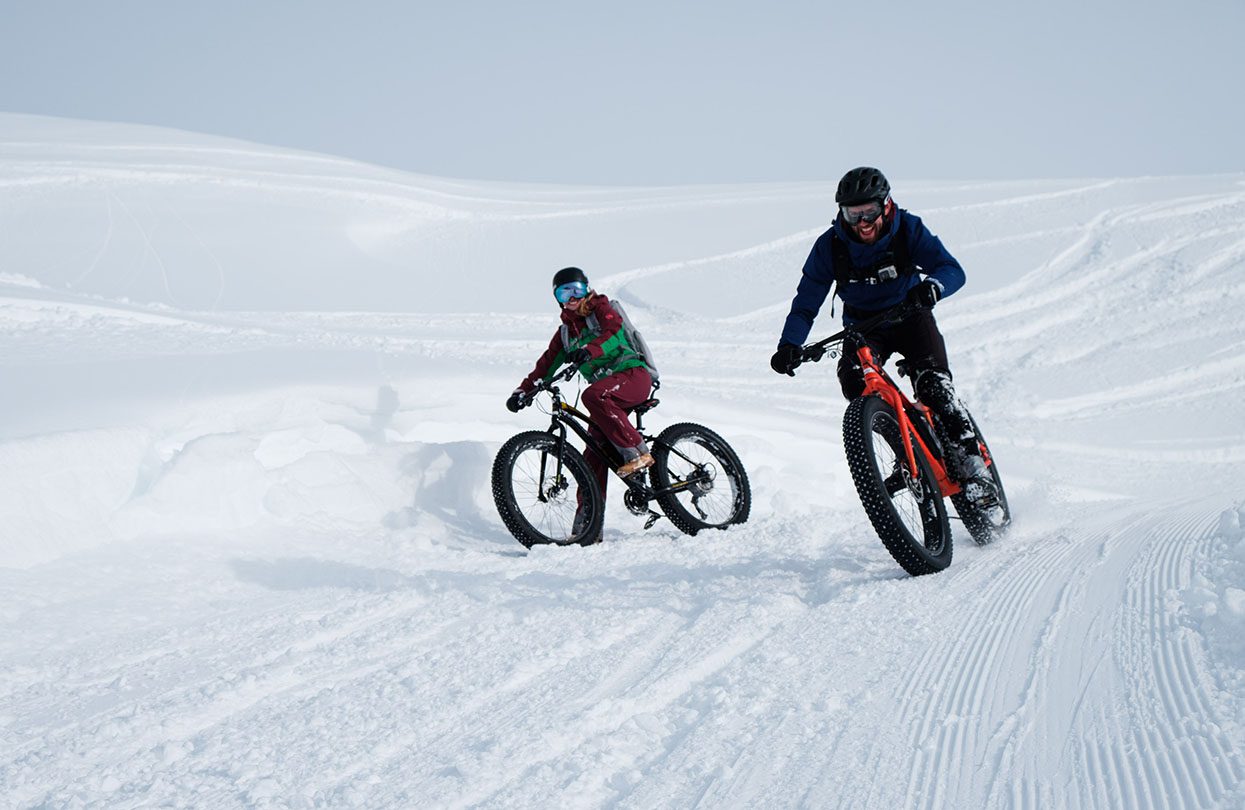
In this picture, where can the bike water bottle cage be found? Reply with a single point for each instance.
(570, 291)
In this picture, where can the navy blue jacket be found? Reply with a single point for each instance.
(924, 250)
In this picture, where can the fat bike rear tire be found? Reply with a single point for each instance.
(985, 522)
(705, 483)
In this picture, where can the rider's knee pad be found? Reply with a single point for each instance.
(851, 380)
(934, 389)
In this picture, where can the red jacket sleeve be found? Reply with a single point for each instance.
(544, 364)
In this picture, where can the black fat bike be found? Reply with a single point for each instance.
(546, 493)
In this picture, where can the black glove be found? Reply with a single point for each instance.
(517, 402)
(578, 356)
(787, 358)
(925, 294)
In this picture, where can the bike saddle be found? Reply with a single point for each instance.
(646, 406)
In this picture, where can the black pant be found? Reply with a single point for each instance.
(918, 340)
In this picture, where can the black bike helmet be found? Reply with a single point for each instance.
(568, 274)
(862, 185)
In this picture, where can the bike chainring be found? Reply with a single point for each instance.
(636, 501)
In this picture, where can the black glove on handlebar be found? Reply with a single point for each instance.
(578, 356)
(925, 294)
(516, 402)
(787, 359)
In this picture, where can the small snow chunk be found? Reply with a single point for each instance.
(1230, 524)
(1234, 601)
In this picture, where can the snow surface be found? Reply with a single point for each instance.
(248, 555)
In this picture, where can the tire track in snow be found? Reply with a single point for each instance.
(1171, 691)
(502, 712)
(622, 732)
(207, 703)
(1015, 782)
(971, 667)
(944, 698)
(976, 729)
(1159, 744)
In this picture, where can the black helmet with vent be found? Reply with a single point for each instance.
(862, 185)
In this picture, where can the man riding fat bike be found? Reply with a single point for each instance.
(876, 256)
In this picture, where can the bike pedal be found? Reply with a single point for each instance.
(653, 517)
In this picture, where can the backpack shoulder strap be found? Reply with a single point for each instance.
(842, 259)
(899, 249)
(897, 254)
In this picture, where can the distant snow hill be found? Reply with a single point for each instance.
(249, 399)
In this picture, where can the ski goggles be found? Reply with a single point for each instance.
(570, 291)
(869, 212)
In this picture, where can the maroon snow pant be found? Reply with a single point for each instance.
(608, 401)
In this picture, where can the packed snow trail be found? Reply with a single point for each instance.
(248, 554)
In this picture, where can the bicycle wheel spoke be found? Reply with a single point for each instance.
(700, 480)
(547, 502)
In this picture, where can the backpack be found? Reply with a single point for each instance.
(895, 261)
(636, 339)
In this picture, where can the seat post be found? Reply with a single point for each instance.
(646, 406)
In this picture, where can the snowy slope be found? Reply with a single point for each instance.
(248, 556)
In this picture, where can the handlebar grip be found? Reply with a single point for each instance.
(813, 354)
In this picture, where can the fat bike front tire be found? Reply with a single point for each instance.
(705, 484)
(539, 483)
(905, 506)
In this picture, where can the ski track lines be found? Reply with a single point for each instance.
(1181, 759)
(978, 742)
(945, 717)
(644, 720)
(1082, 267)
(576, 698)
(207, 704)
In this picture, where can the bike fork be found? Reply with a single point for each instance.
(557, 473)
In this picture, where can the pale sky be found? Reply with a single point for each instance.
(641, 93)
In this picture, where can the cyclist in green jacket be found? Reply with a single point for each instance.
(592, 337)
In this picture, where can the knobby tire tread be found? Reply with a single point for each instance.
(659, 477)
(907, 550)
(978, 521)
(503, 488)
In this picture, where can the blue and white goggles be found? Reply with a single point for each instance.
(569, 291)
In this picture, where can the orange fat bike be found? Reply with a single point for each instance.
(898, 465)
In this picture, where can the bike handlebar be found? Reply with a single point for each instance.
(815, 351)
(550, 384)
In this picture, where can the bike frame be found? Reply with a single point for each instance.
(564, 414)
(879, 384)
(567, 415)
